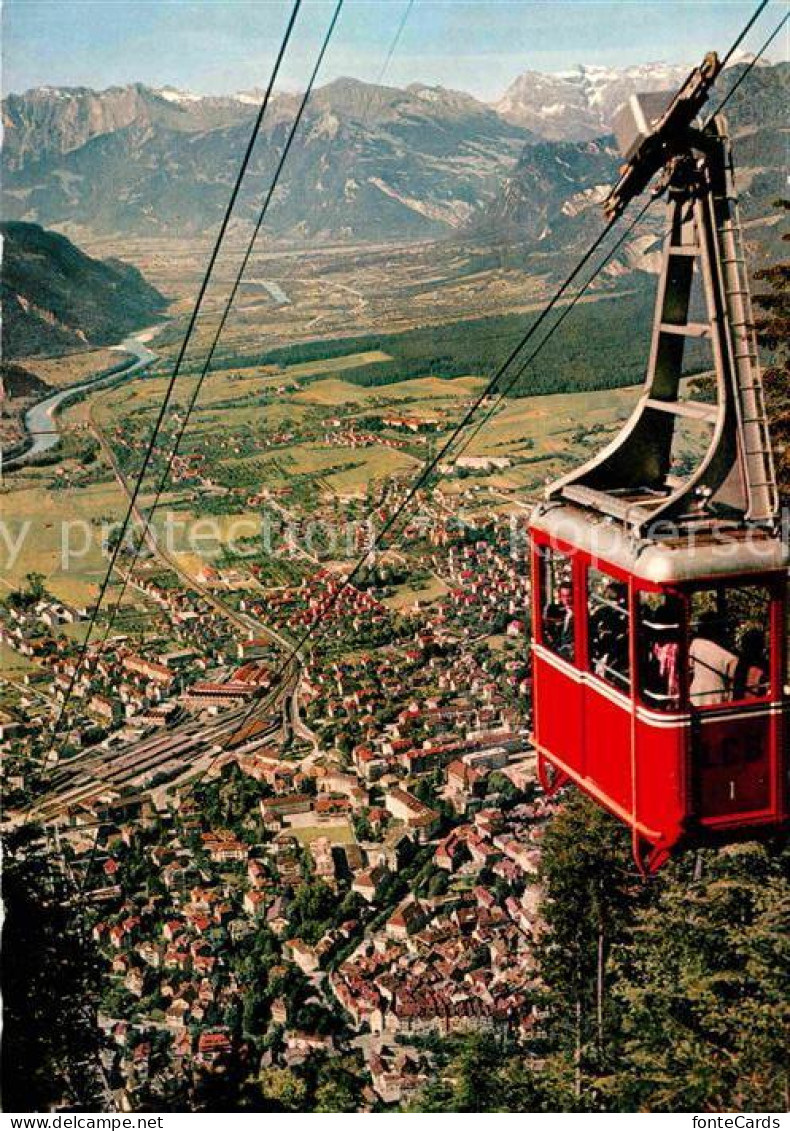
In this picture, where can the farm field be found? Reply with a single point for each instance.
(526, 426)
(337, 834)
(14, 665)
(292, 388)
(224, 384)
(332, 289)
(73, 368)
(60, 532)
(426, 592)
(539, 435)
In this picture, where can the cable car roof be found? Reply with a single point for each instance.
(684, 554)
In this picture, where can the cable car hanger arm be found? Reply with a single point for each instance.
(651, 150)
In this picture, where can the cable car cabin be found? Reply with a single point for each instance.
(659, 678)
(660, 602)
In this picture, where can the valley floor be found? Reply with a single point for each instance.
(339, 857)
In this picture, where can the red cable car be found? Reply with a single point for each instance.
(659, 575)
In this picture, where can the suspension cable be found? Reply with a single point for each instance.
(164, 477)
(636, 220)
(491, 387)
(385, 66)
(226, 311)
(751, 64)
(175, 373)
(502, 394)
(745, 30)
(434, 461)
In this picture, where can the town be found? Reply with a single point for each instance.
(337, 871)
(394, 614)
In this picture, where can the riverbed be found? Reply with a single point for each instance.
(41, 419)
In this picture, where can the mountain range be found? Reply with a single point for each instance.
(577, 105)
(371, 162)
(550, 203)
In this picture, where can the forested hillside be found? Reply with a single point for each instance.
(57, 298)
(592, 351)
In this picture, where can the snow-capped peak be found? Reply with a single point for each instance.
(170, 94)
(58, 93)
(739, 57)
(247, 98)
(577, 104)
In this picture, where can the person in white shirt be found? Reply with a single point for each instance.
(712, 665)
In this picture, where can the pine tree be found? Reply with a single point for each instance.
(50, 1048)
(591, 893)
(481, 1072)
(704, 991)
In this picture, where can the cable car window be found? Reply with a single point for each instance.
(609, 629)
(729, 645)
(660, 629)
(557, 621)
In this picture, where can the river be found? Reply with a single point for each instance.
(41, 422)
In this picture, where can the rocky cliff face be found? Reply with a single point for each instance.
(550, 180)
(549, 205)
(49, 122)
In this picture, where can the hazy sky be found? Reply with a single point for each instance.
(222, 46)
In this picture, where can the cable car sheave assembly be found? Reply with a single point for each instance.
(660, 579)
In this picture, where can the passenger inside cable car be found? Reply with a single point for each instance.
(558, 624)
(751, 674)
(706, 648)
(661, 623)
(607, 610)
(712, 663)
(728, 649)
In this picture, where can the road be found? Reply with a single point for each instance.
(294, 725)
(188, 749)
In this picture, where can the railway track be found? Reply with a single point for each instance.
(188, 749)
(181, 753)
